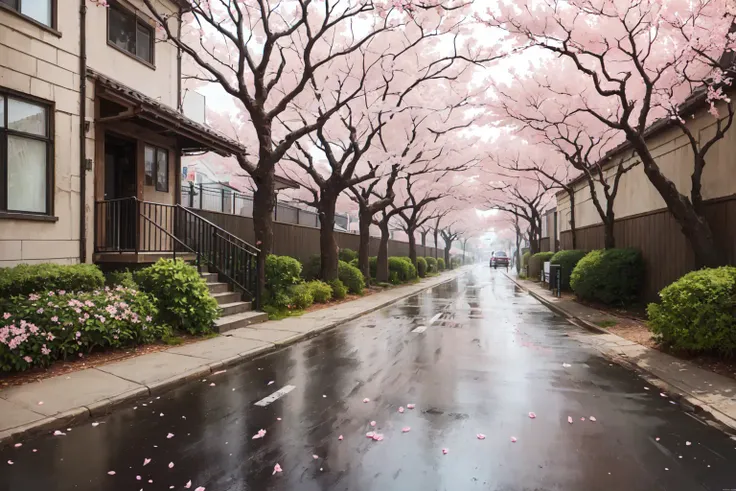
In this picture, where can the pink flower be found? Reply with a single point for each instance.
(78, 334)
(54, 319)
(276, 468)
(51, 294)
(149, 318)
(50, 336)
(33, 297)
(28, 359)
(45, 350)
(62, 292)
(6, 315)
(261, 433)
(39, 311)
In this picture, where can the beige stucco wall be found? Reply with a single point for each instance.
(159, 83)
(37, 62)
(674, 155)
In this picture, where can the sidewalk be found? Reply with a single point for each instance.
(698, 389)
(58, 402)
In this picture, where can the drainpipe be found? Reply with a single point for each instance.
(82, 131)
(179, 102)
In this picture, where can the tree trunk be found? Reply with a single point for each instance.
(436, 242)
(412, 247)
(694, 226)
(573, 231)
(448, 246)
(382, 259)
(533, 241)
(364, 226)
(609, 240)
(327, 243)
(264, 201)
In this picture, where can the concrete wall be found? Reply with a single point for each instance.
(40, 63)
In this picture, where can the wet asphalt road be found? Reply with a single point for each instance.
(492, 356)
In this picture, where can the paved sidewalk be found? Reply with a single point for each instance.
(698, 389)
(58, 402)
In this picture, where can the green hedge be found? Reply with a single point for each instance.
(339, 291)
(567, 260)
(441, 266)
(536, 263)
(697, 313)
(311, 268)
(42, 327)
(421, 267)
(30, 278)
(282, 272)
(120, 278)
(402, 269)
(347, 255)
(525, 260)
(321, 291)
(181, 295)
(610, 276)
(431, 264)
(300, 296)
(351, 277)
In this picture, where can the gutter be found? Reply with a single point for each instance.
(82, 131)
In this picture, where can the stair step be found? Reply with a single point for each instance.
(236, 321)
(218, 287)
(227, 297)
(235, 308)
(209, 277)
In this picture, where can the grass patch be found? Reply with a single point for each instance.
(383, 284)
(276, 314)
(605, 324)
(173, 340)
(522, 276)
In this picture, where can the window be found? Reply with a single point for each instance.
(40, 11)
(129, 33)
(26, 147)
(156, 168)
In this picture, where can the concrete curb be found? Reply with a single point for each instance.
(105, 406)
(687, 400)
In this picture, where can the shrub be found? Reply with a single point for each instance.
(120, 278)
(698, 312)
(282, 272)
(611, 276)
(42, 327)
(339, 291)
(373, 266)
(455, 262)
(347, 255)
(440, 264)
(300, 296)
(311, 268)
(525, 260)
(321, 291)
(567, 260)
(431, 264)
(181, 295)
(421, 267)
(536, 262)
(30, 278)
(401, 267)
(351, 277)
(354, 262)
(393, 278)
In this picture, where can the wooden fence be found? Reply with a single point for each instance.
(303, 242)
(667, 254)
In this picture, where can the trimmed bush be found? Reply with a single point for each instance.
(421, 267)
(455, 262)
(31, 278)
(536, 263)
(347, 255)
(339, 291)
(300, 296)
(354, 262)
(431, 264)
(441, 264)
(42, 327)
(401, 267)
(611, 276)
(120, 278)
(697, 313)
(373, 266)
(282, 272)
(311, 268)
(181, 295)
(321, 291)
(567, 260)
(525, 260)
(351, 277)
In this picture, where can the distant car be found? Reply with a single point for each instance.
(499, 258)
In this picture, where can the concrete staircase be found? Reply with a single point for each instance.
(235, 312)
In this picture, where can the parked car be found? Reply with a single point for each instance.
(499, 258)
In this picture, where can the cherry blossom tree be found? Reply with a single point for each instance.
(634, 64)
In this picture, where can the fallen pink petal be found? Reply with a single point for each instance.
(688, 443)
(339, 437)
(513, 439)
(171, 465)
(10, 462)
(219, 372)
(663, 394)
(366, 400)
(401, 409)
(445, 451)
(95, 424)
(373, 423)
(406, 429)
(137, 478)
(377, 437)
(315, 456)
(59, 433)
(111, 473)
(212, 384)
(582, 419)
(170, 436)
(40, 403)
(18, 445)
(188, 485)
(201, 488)
(480, 436)
(261, 433)
(592, 418)
(270, 383)
(146, 462)
(411, 406)
(370, 434)
(569, 419)
(532, 415)
(276, 468)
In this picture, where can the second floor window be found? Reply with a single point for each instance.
(38, 10)
(129, 33)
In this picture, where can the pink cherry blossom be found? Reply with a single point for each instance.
(370, 434)
(513, 439)
(411, 406)
(445, 451)
(112, 473)
(146, 461)
(366, 400)
(373, 423)
(480, 436)
(170, 436)
(406, 429)
(340, 438)
(532, 415)
(569, 419)
(377, 437)
(261, 433)
(171, 465)
(276, 468)
(401, 409)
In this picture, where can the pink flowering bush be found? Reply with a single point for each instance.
(42, 327)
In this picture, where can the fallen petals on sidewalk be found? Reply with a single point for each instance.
(59, 433)
(170, 436)
(366, 400)
(10, 462)
(261, 433)
(377, 437)
(95, 424)
(111, 473)
(270, 383)
(532, 415)
(569, 419)
(582, 419)
(480, 436)
(18, 445)
(445, 451)
(401, 409)
(513, 439)
(315, 456)
(566, 365)
(201, 488)
(188, 485)
(138, 478)
(339, 437)
(146, 462)
(688, 443)
(657, 439)
(212, 384)
(406, 429)
(592, 418)
(370, 434)
(373, 423)
(171, 465)
(411, 406)
(40, 403)
(663, 394)
(276, 468)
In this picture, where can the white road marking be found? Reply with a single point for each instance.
(431, 321)
(275, 396)
(420, 329)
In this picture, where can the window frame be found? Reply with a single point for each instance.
(50, 108)
(156, 151)
(141, 21)
(52, 28)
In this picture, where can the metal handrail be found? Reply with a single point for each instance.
(253, 249)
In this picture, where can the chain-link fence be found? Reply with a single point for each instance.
(216, 197)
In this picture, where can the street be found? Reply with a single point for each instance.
(475, 356)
